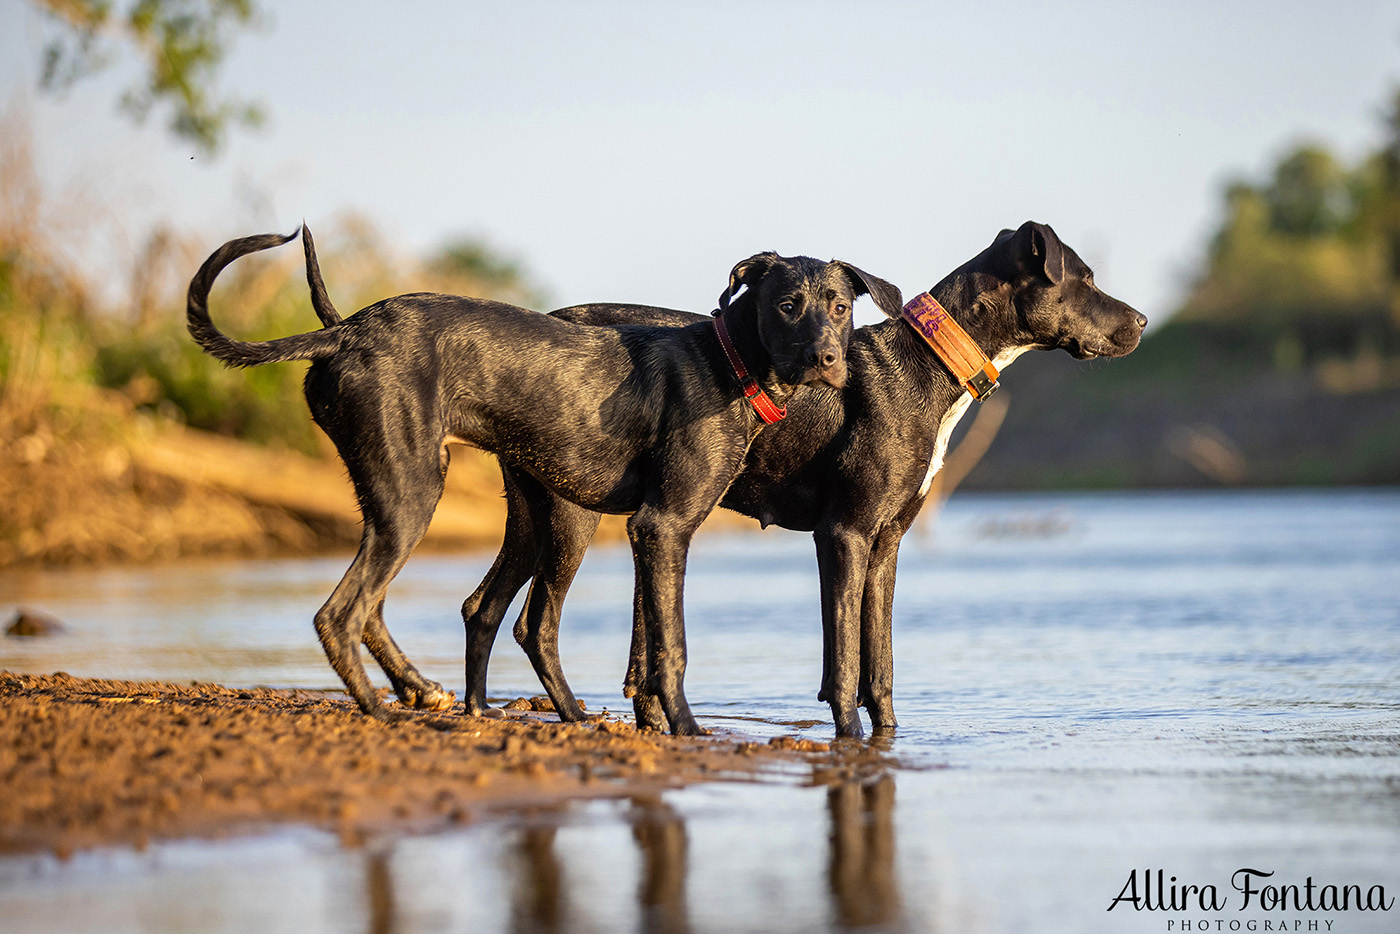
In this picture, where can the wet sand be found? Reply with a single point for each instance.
(89, 762)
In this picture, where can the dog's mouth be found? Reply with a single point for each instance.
(1097, 347)
(833, 375)
(797, 371)
(1085, 351)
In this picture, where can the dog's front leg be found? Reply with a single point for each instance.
(876, 648)
(646, 706)
(483, 611)
(843, 555)
(659, 547)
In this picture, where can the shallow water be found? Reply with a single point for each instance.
(1087, 685)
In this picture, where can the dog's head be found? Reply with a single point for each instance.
(1056, 301)
(803, 311)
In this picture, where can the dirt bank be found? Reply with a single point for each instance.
(153, 490)
(146, 490)
(87, 762)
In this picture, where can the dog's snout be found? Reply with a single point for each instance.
(1141, 320)
(824, 362)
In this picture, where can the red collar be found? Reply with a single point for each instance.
(763, 405)
(954, 347)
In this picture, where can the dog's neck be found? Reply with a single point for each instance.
(984, 308)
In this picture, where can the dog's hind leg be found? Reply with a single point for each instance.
(341, 622)
(412, 688)
(483, 611)
(397, 494)
(824, 692)
(569, 529)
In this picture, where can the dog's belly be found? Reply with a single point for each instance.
(606, 485)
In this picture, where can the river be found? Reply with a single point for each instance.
(1090, 687)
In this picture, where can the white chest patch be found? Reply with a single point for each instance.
(954, 414)
(940, 442)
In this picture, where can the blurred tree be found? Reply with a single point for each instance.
(1311, 194)
(471, 266)
(1389, 222)
(1318, 239)
(181, 44)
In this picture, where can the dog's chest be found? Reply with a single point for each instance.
(950, 420)
(940, 440)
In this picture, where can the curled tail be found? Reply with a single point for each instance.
(320, 301)
(312, 345)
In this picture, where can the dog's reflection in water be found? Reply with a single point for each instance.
(661, 838)
(862, 882)
(861, 867)
(540, 897)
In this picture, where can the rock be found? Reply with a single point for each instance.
(32, 623)
(798, 745)
(539, 703)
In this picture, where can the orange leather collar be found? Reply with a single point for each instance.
(954, 347)
(762, 404)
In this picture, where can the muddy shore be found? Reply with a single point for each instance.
(88, 762)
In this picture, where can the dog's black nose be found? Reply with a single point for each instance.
(822, 358)
(1141, 320)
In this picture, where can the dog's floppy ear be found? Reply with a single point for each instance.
(746, 272)
(886, 295)
(1039, 250)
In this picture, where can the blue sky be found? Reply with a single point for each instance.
(635, 151)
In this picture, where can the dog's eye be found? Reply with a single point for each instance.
(786, 308)
(841, 308)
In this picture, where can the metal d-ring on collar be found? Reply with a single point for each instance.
(958, 351)
(762, 404)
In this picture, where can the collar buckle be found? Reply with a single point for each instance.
(982, 384)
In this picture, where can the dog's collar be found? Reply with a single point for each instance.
(954, 347)
(759, 399)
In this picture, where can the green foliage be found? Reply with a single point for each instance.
(181, 43)
(1317, 239)
(163, 372)
(57, 354)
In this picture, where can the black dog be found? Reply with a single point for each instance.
(642, 420)
(852, 466)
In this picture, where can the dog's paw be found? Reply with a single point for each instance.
(429, 696)
(437, 700)
(686, 726)
(650, 716)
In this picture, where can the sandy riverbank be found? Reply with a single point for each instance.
(87, 762)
